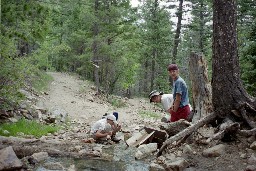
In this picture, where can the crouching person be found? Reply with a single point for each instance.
(105, 129)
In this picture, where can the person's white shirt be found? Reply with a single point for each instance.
(167, 101)
(101, 125)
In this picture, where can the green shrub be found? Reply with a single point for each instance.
(27, 127)
(41, 81)
(13, 73)
(116, 102)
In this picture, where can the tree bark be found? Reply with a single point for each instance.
(177, 34)
(202, 23)
(227, 87)
(201, 87)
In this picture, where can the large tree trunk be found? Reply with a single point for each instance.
(201, 87)
(228, 91)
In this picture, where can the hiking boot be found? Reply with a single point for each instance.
(116, 140)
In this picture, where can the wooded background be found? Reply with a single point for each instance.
(124, 50)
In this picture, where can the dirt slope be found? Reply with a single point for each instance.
(78, 99)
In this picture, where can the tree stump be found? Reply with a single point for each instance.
(201, 87)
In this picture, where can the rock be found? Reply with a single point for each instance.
(178, 165)
(252, 160)
(41, 156)
(214, 151)
(98, 148)
(9, 160)
(156, 167)
(160, 159)
(72, 168)
(60, 114)
(166, 118)
(190, 169)
(145, 150)
(253, 145)
(53, 166)
(243, 155)
(170, 157)
(13, 120)
(5, 132)
(20, 134)
(187, 149)
(250, 168)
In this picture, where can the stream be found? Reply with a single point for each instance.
(120, 158)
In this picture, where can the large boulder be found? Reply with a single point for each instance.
(9, 160)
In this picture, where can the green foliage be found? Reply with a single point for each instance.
(41, 81)
(156, 43)
(247, 44)
(23, 25)
(149, 114)
(16, 74)
(116, 102)
(13, 74)
(27, 127)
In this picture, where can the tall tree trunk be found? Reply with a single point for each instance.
(201, 87)
(146, 76)
(201, 15)
(95, 48)
(154, 50)
(177, 34)
(228, 91)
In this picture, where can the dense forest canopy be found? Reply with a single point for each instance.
(123, 49)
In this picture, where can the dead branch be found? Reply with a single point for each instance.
(187, 131)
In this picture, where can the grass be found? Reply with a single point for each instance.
(27, 127)
(149, 114)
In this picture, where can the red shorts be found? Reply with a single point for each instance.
(182, 113)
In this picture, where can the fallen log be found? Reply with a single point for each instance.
(187, 131)
(174, 128)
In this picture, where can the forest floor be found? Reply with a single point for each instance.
(77, 97)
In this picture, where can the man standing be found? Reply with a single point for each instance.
(180, 109)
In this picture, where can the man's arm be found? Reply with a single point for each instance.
(99, 134)
(176, 103)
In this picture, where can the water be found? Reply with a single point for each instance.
(118, 158)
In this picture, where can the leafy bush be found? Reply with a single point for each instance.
(116, 102)
(12, 78)
(41, 81)
(27, 127)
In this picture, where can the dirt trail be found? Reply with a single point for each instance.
(78, 99)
